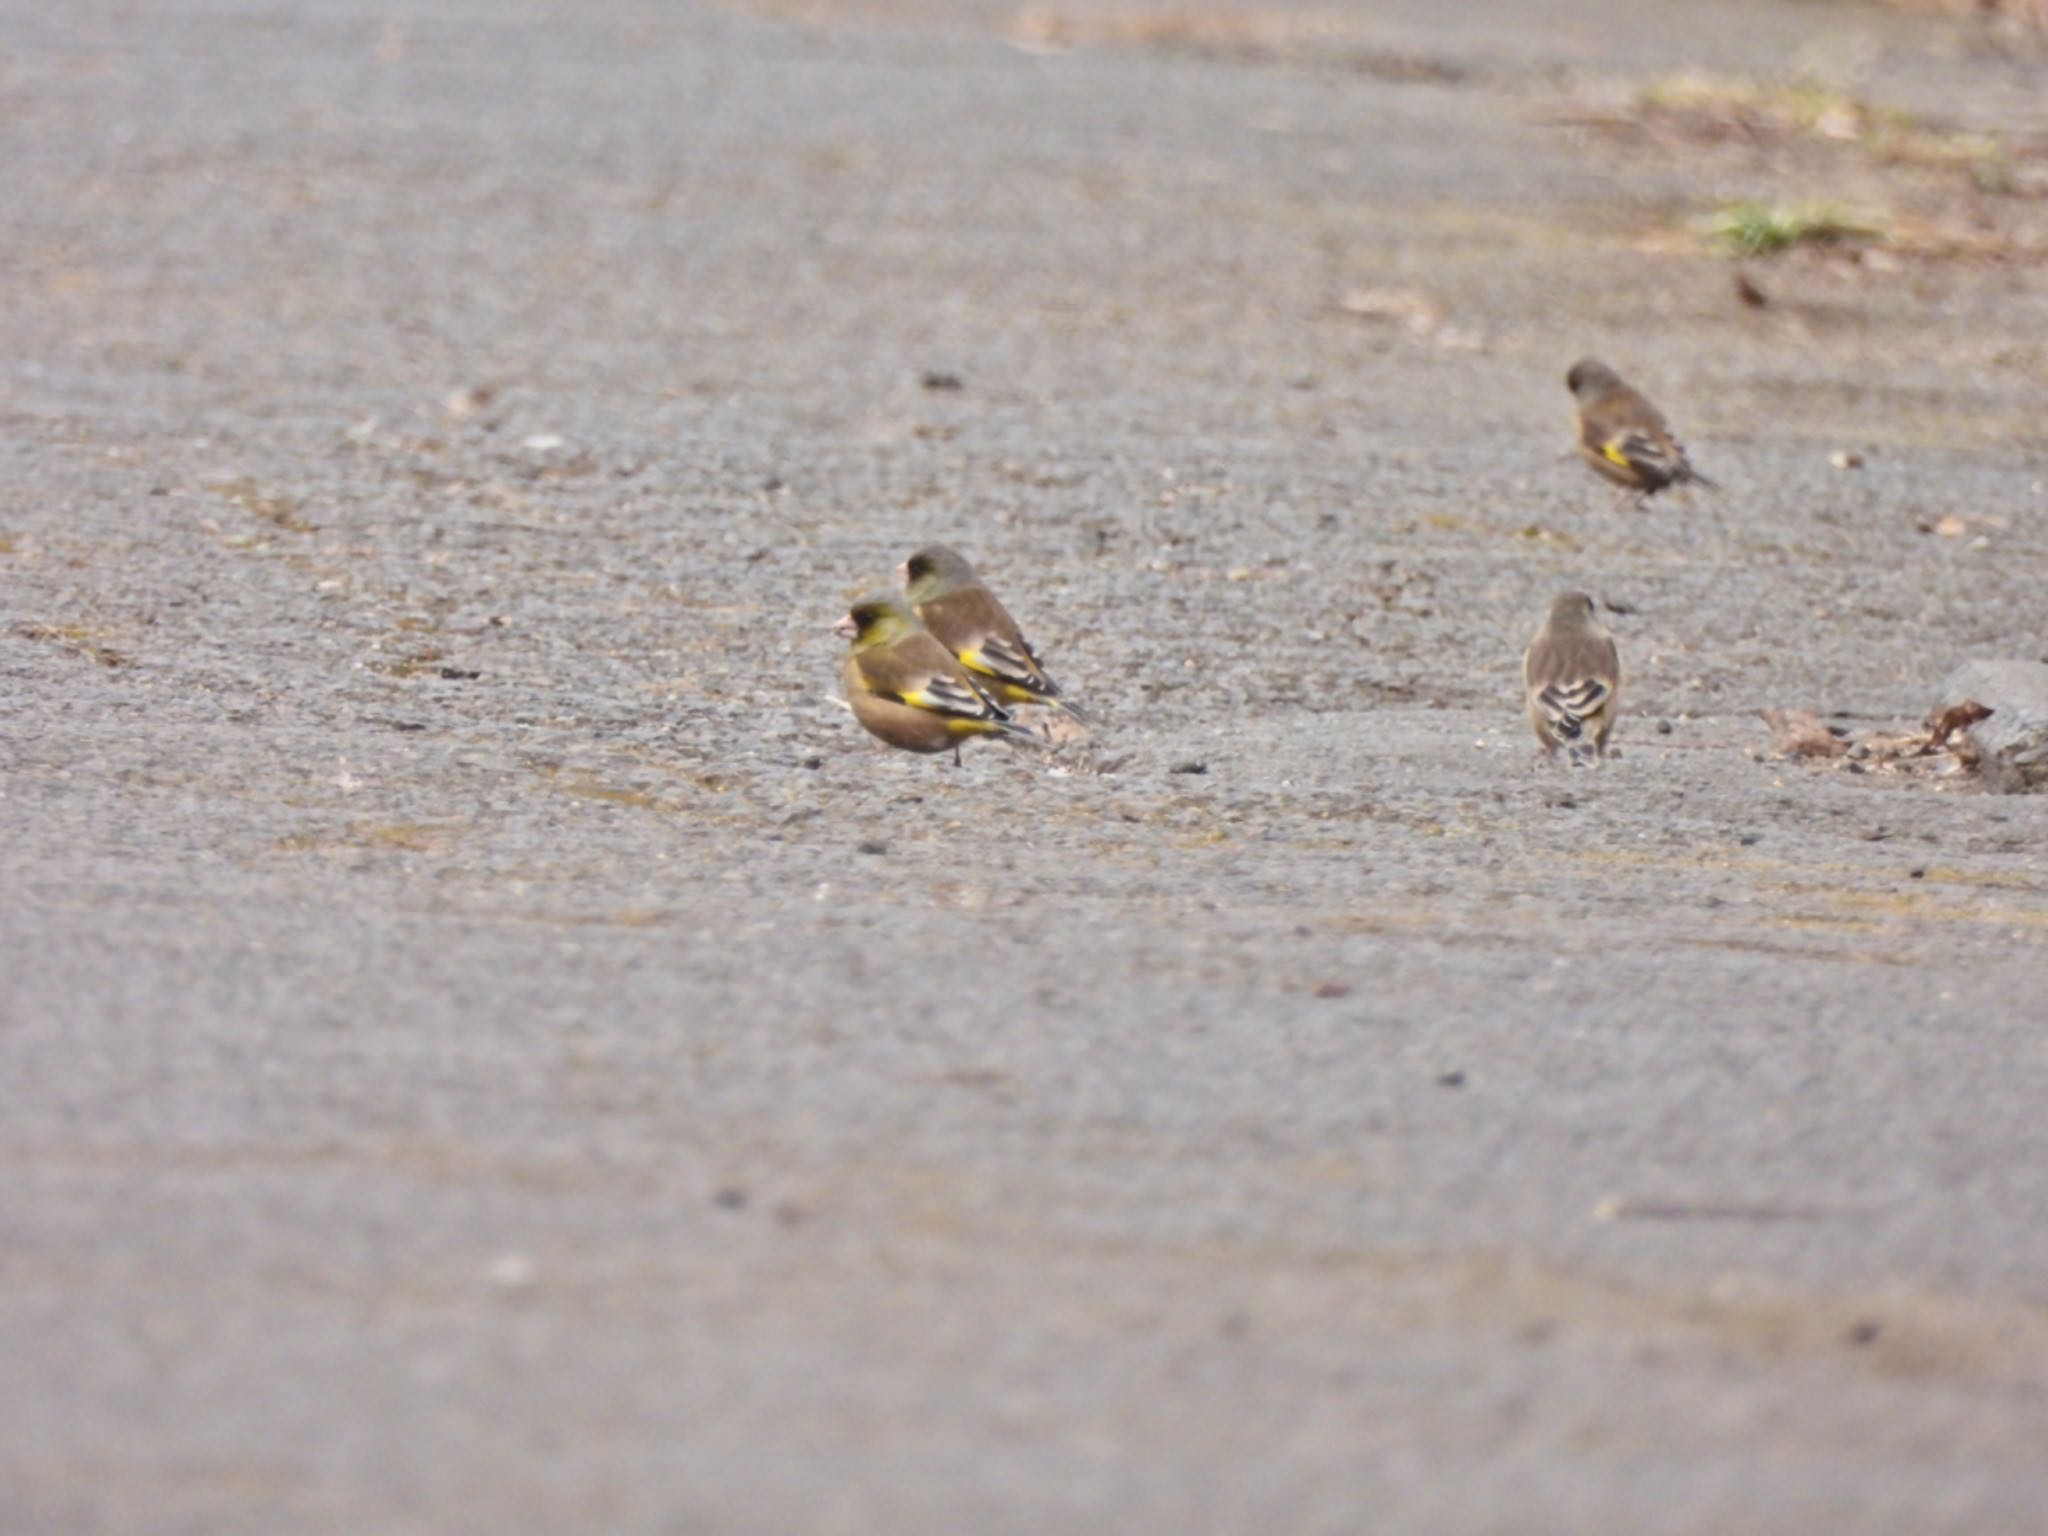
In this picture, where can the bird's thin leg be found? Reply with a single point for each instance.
(956, 754)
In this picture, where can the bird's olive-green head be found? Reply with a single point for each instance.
(875, 621)
(934, 571)
(1590, 378)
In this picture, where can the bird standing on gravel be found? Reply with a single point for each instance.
(1572, 673)
(1623, 436)
(958, 608)
(907, 689)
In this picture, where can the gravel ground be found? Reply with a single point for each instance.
(488, 1045)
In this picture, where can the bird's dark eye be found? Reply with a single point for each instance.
(919, 565)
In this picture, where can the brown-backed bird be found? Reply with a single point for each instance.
(908, 689)
(958, 608)
(1572, 673)
(1623, 436)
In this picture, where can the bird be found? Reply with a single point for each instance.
(908, 690)
(958, 608)
(1624, 437)
(1572, 675)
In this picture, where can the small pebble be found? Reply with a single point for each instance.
(511, 1270)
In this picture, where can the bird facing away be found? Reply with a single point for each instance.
(907, 689)
(1623, 436)
(958, 608)
(1573, 677)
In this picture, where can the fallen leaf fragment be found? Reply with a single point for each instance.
(1957, 717)
(1802, 733)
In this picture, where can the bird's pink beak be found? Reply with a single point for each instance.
(903, 573)
(846, 629)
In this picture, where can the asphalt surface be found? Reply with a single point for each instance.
(487, 1045)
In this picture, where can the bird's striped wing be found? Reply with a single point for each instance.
(1655, 457)
(948, 696)
(1568, 706)
(1008, 661)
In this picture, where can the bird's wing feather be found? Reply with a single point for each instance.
(949, 696)
(1652, 453)
(1011, 661)
(920, 672)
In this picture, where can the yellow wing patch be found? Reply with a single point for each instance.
(1613, 450)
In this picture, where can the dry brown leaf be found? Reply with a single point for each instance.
(1802, 733)
(1957, 717)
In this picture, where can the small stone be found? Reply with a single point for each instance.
(730, 1198)
(1191, 766)
(510, 1271)
(940, 379)
(1453, 1079)
(1844, 458)
(1332, 989)
(874, 845)
(2007, 737)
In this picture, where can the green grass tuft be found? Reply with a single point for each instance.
(1762, 229)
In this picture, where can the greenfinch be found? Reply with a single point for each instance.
(908, 690)
(958, 608)
(1623, 436)
(1572, 674)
